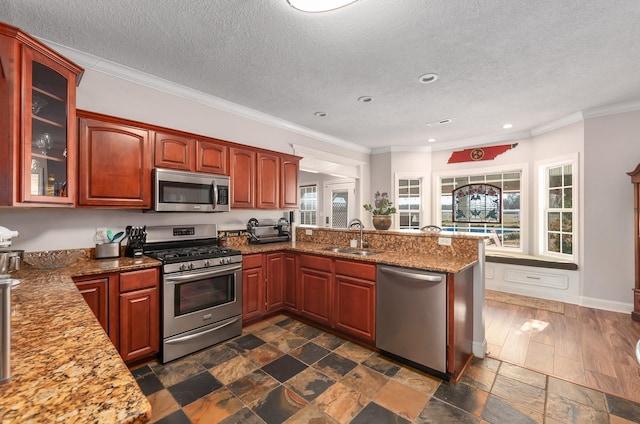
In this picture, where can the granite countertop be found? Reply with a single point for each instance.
(414, 260)
(64, 367)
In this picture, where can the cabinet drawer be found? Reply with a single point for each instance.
(315, 262)
(252, 261)
(543, 279)
(356, 269)
(135, 280)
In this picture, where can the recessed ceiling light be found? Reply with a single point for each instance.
(321, 114)
(431, 140)
(428, 78)
(365, 99)
(319, 5)
(507, 126)
(440, 122)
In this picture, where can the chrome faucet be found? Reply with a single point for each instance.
(356, 222)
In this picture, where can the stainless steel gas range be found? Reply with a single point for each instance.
(201, 287)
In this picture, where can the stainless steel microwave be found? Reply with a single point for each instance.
(179, 191)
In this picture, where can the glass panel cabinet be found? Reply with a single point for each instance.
(40, 95)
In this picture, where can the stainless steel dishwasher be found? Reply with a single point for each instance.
(411, 317)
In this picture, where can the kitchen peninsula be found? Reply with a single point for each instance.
(65, 368)
(317, 277)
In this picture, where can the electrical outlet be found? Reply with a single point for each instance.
(101, 235)
(308, 232)
(444, 241)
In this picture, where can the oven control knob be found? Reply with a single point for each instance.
(183, 267)
(221, 261)
(190, 265)
(207, 264)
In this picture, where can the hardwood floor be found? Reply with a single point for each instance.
(587, 346)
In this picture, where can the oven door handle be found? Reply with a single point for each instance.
(174, 279)
(193, 336)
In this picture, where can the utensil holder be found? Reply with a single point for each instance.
(107, 250)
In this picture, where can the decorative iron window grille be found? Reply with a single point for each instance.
(477, 203)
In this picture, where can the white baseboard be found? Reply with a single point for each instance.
(607, 305)
(479, 349)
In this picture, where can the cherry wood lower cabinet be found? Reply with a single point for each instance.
(96, 291)
(252, 287)
(291, 289)
(316, 288)
(263, 284)
(335, 293)
(127, 306)
(274, 281)
(355, 299)
(139, 314)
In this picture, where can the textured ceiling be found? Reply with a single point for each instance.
(519, 61)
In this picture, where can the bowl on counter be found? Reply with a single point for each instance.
(52, 259)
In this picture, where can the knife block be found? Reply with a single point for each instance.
(135, 245)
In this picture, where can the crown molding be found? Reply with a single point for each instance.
(559, 123)
(89, 61)
(400, 149)
(612, 109)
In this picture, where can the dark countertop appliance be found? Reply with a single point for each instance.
(268, 231)
(201, 287)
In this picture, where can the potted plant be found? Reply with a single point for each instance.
(382, 209)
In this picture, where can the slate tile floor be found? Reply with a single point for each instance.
(281, 370)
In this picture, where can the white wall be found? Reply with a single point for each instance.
(612, 148)
(53, 228)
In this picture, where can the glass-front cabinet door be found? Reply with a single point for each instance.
(49, 128)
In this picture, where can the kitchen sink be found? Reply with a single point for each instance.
(351, 251)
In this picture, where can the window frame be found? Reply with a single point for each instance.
(301, 211)
(423, 212)
(522, 168)
(542, 169)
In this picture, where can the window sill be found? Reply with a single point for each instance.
(529, 260)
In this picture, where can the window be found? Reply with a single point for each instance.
(506, 234)
(308, 204)
(409, 203)
(559, 210)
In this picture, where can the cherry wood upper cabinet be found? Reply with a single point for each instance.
(289, 166)
(38, 142)
(242, 171)
(263, 179)
(183, 153)
(268, 181)
(115, 163)
(174, 152)
(212, 157)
